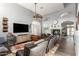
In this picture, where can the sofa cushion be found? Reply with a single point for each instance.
(3, 49)
(19, 53)
(2, 40)
(30, 44)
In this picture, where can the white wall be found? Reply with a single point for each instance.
(15, 14)
(76, 36)
(49, 19)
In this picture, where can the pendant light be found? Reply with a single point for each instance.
(35, 12)
(36, 16)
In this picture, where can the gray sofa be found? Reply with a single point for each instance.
(38, 49)
(51, 43)
(52, 40)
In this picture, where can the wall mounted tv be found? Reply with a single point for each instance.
(19, 28)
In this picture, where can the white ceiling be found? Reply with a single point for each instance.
(43, 8)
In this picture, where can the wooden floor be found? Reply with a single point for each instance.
(67, 46)
(59, 53)
(56, 52)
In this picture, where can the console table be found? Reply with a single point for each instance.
(23, 38)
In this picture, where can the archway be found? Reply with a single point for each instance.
(67, 44)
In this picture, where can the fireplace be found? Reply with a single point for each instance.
(56, 32)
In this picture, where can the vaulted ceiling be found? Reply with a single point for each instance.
(43, 8)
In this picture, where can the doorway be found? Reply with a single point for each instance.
(67, 32)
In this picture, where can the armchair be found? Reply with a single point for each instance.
(3, 47)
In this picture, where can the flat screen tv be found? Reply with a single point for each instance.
(19, 28)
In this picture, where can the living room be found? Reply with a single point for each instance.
(44, 27)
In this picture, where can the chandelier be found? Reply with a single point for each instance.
(36, 16)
